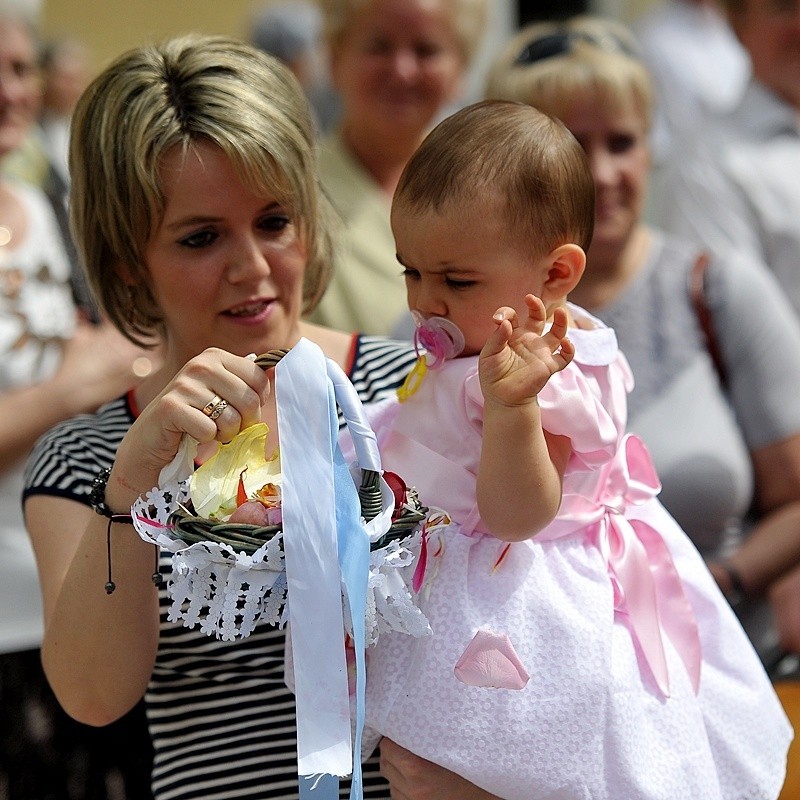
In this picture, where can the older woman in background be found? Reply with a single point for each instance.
(397, 65)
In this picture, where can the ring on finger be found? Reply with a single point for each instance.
(218, 409)
(211, 406)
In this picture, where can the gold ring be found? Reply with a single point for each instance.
(208, 408)
(218, 409)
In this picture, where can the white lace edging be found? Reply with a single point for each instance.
(228, 592)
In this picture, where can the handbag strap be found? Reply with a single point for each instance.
(697, 293)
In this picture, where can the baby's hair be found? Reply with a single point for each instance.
(551, 65)
(513, 153)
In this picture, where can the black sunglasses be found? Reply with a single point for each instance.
(560, 42)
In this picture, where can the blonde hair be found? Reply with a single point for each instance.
(159, 97)
(514, 153)
(468, 18)
(550, 65)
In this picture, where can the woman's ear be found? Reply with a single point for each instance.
(567, 263)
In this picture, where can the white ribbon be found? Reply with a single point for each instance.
(304, 398)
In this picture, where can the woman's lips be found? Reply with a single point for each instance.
(252, 313)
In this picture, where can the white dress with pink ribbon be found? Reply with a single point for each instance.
(576, 665)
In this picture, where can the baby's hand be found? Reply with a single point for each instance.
(517, 360)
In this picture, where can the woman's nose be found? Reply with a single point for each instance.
(602, 167)
(405, 64)
(248, 261)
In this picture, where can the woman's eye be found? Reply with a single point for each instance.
(410, 274)
(199, 239)
(275, 222)
(621, 143)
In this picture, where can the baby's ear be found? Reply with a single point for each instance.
(567, 263)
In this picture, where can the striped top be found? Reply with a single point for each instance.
(221, 719)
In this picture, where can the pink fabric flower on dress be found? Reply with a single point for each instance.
(490, 661)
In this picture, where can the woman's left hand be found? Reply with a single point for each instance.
(413, 778)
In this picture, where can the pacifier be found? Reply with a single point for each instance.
(441, 338)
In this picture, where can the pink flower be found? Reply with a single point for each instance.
(490, 661)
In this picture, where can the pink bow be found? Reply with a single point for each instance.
(647, 587)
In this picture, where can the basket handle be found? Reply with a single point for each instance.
(364, 440)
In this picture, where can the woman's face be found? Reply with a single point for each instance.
(615, 141)
(226, 266)
(397, 65)
(20, 86)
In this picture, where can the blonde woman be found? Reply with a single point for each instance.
(397, 64)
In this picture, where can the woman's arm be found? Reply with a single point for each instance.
(413, 778)
(99, 649)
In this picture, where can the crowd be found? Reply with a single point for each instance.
(610, 313)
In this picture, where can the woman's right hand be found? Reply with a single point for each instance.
(413, 778)
(153, 440)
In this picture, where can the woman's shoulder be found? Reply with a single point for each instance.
(67, 458)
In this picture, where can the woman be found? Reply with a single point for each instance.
(397, 64)
(52, 366)
(724, 434)
(198, 216)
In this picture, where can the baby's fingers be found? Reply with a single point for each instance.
(565, 353)
(537, 314)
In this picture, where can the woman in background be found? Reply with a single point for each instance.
(52, 366)
(397, 64)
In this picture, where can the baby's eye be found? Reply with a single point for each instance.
(459, 283)
(410, 274)
(199, 239)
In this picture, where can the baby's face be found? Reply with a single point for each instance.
(463, 266)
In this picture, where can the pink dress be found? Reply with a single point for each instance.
(642, 686)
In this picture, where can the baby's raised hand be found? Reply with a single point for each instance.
(518, 359)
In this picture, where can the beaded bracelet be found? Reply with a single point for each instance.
(97, 500)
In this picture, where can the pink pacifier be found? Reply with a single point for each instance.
(441, 338)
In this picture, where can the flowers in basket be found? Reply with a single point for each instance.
(223, 525)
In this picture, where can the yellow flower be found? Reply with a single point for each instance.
(213, 486)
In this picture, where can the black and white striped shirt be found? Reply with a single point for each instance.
(221, 719)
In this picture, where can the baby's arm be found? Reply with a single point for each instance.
(521, 466)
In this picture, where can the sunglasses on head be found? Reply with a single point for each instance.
(560, 42)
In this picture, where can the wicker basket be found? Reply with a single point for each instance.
(249, 538)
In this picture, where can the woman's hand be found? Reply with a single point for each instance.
(413, 778)
(153, 440)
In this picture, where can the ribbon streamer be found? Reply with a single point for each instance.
(647, 587)
(327, 547)
(312, 562)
